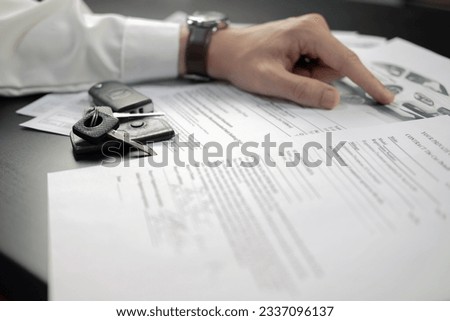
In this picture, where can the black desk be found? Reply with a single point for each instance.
(27, 156)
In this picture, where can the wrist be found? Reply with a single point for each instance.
(203, 45)
(219, 54)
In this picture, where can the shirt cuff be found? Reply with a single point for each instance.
(150, 50)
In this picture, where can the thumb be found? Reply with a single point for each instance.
(304, 91)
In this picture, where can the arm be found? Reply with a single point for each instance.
(264, 59)
(59, 45)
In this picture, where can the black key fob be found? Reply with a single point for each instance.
(95, 126)
(147, 129)
(120, 97)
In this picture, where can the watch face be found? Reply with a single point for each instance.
(208, 19)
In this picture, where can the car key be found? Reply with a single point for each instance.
(120, 97)
(104, 127)
(142, 130)
(126, 115)
(139, 115)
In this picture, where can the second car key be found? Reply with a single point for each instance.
(120, 97)
(97, 126)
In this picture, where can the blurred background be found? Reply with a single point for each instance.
(438, 4)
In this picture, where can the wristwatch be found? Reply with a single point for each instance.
(201, 27)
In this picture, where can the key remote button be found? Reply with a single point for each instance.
(137, 124)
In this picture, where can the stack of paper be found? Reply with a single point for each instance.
(375, 229)
(373, 224)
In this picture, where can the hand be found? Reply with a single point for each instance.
(264, 59)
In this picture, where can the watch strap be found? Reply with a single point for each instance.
(197, 50)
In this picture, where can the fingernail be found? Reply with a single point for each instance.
(389, 96)
(329, 98)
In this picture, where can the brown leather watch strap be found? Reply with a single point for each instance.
(197, 50)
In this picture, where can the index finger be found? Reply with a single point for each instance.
(347, 63)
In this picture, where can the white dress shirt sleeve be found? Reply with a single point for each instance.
(59, 45)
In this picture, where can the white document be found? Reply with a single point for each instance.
(55, 113)
(375, 229)
(223, 113)
(56, 121)
(72, 102)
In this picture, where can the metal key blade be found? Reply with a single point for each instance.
(137, 115)
(125, 138)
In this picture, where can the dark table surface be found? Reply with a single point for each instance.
(27, 156)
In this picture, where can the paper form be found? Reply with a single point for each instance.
(71, 102)
(375, 229)
(224, 113)
(55, 113)
(55, 121)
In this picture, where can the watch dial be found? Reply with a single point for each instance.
(209, 16)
